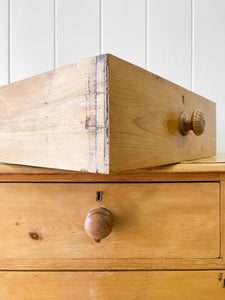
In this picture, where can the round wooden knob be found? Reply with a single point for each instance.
(196, 122)
(98, 223)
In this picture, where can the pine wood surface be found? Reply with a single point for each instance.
(39, 222)
(157, 285)
(56, 119)
(222, 215)
(210, 164)
(43, 224)
(144, 112)
(101, 115)
(209, 169)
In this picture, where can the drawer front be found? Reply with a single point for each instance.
(160, 285)
(45, 222)
(145, 121)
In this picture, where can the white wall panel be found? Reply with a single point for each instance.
(77, 30)
(124, 29)
(209, 58)
(31, 37)
(3, 42)
(169, 40)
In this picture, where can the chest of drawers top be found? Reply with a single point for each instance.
(207, 169)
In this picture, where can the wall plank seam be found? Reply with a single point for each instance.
(146, 34)
(54, 37)
(100, 26)
(9, 41)
(192, 45)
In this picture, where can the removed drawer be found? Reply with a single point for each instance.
(103, 115)
(42, 224)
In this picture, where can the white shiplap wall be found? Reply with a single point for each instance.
(31, 37)
(124, 29)
(209, 57)
(180, 40)
(169, 40)
(4, 42)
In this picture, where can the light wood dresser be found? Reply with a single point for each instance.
(165, 227)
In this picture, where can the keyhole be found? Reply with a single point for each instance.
(98, 196)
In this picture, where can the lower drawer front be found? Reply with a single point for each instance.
(160, 285)
(44, 223)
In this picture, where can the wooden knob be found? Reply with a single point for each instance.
(196, 122)
(98, 223)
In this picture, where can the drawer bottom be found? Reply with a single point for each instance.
(112, 285)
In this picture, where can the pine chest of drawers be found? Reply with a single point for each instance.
(165, 228)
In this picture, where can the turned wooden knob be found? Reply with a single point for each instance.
(196, 122)
(98, 223)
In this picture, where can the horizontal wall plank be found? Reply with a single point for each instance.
(124, 30)
(169, 40)
(32, 37)
(77, 30)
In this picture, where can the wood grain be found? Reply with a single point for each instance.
(139, 176)
(160, 285)
(144, 114)
(55, 123)
(209, 169)
(210, 164)
(42, 225)
(101, 115)
(222, 213)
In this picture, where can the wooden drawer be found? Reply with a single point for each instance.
(158, 285)
(42, 225)
(102, 115)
